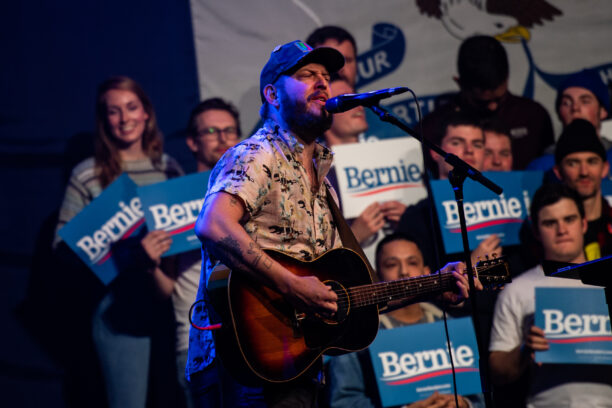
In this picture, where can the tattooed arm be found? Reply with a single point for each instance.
(218, 227)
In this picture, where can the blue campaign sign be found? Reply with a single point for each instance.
(412, 362)
(173, 206)
(105, 231)
(486, 213)
(577, 325)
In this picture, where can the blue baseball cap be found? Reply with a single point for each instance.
(294, 55)
(588, 79)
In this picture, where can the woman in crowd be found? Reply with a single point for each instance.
(128, 141)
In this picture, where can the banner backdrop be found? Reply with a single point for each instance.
(403, 43)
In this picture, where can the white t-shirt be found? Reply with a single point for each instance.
(552, 385)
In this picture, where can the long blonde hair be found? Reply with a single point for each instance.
(108, 161)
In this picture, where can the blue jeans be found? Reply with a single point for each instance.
(124, 359)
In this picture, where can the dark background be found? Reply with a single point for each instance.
(53, 56)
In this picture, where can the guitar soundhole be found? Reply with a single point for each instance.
(344, 303)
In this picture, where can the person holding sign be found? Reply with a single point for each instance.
(346, 128)
(462, 135)
(127, 141)
(559, 223)
(352, 380)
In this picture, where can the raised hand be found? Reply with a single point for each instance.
(369, 222)
(155, 243)
(488, 246)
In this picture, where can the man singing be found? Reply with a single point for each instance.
(269, 191)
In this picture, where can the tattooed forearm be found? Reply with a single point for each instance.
(256, 252)
(227, 250)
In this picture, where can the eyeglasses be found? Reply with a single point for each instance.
(213, 132)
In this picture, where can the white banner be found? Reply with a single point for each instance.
(402, 43)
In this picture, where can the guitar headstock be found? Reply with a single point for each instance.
(493, 272)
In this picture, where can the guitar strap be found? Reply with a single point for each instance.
(346, 234)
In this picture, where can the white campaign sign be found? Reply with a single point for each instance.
(378, 171)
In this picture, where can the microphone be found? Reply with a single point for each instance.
(342, 103)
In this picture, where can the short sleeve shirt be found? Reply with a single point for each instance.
(284, 213)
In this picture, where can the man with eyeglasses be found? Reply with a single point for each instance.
(482, 65)
(213, 127)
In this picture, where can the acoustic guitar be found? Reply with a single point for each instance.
(263, 338)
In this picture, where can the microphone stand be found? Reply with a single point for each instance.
(457, 176)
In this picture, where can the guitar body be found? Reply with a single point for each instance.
(262, 334)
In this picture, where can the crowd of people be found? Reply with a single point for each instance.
(277, 189)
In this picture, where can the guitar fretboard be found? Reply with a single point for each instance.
(383, 292)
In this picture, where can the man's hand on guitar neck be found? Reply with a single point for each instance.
(458, 271)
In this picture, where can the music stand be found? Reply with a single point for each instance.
(591, 273)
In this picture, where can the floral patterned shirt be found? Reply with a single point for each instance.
(284, 213)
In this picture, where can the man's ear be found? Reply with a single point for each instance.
(191, 144)
(606, 170)
(557, 172)
(585, 225)
(603, 113)
(271, 95)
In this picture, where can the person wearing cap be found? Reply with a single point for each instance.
(582, 95)
(581, 163)
(271, 191)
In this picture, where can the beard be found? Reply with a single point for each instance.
(304, 123)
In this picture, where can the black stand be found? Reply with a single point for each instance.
(594, 272)
(457, 176)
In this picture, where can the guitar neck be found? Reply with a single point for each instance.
(384, 292)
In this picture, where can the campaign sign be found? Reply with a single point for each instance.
(413, 362)
(576, 323)
(486, 213)
(378, 171)
(105, 230)
(173, 206)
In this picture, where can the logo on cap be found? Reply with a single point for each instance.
(303, 47)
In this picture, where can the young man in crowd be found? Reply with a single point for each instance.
(498, 147)
(559, 224)
(482, 65)
(341, 40)
(352, 381)
(582, 95)
(581, 163)
(458, 133)
(213, 127)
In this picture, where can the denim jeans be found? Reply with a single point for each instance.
(124, 359)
